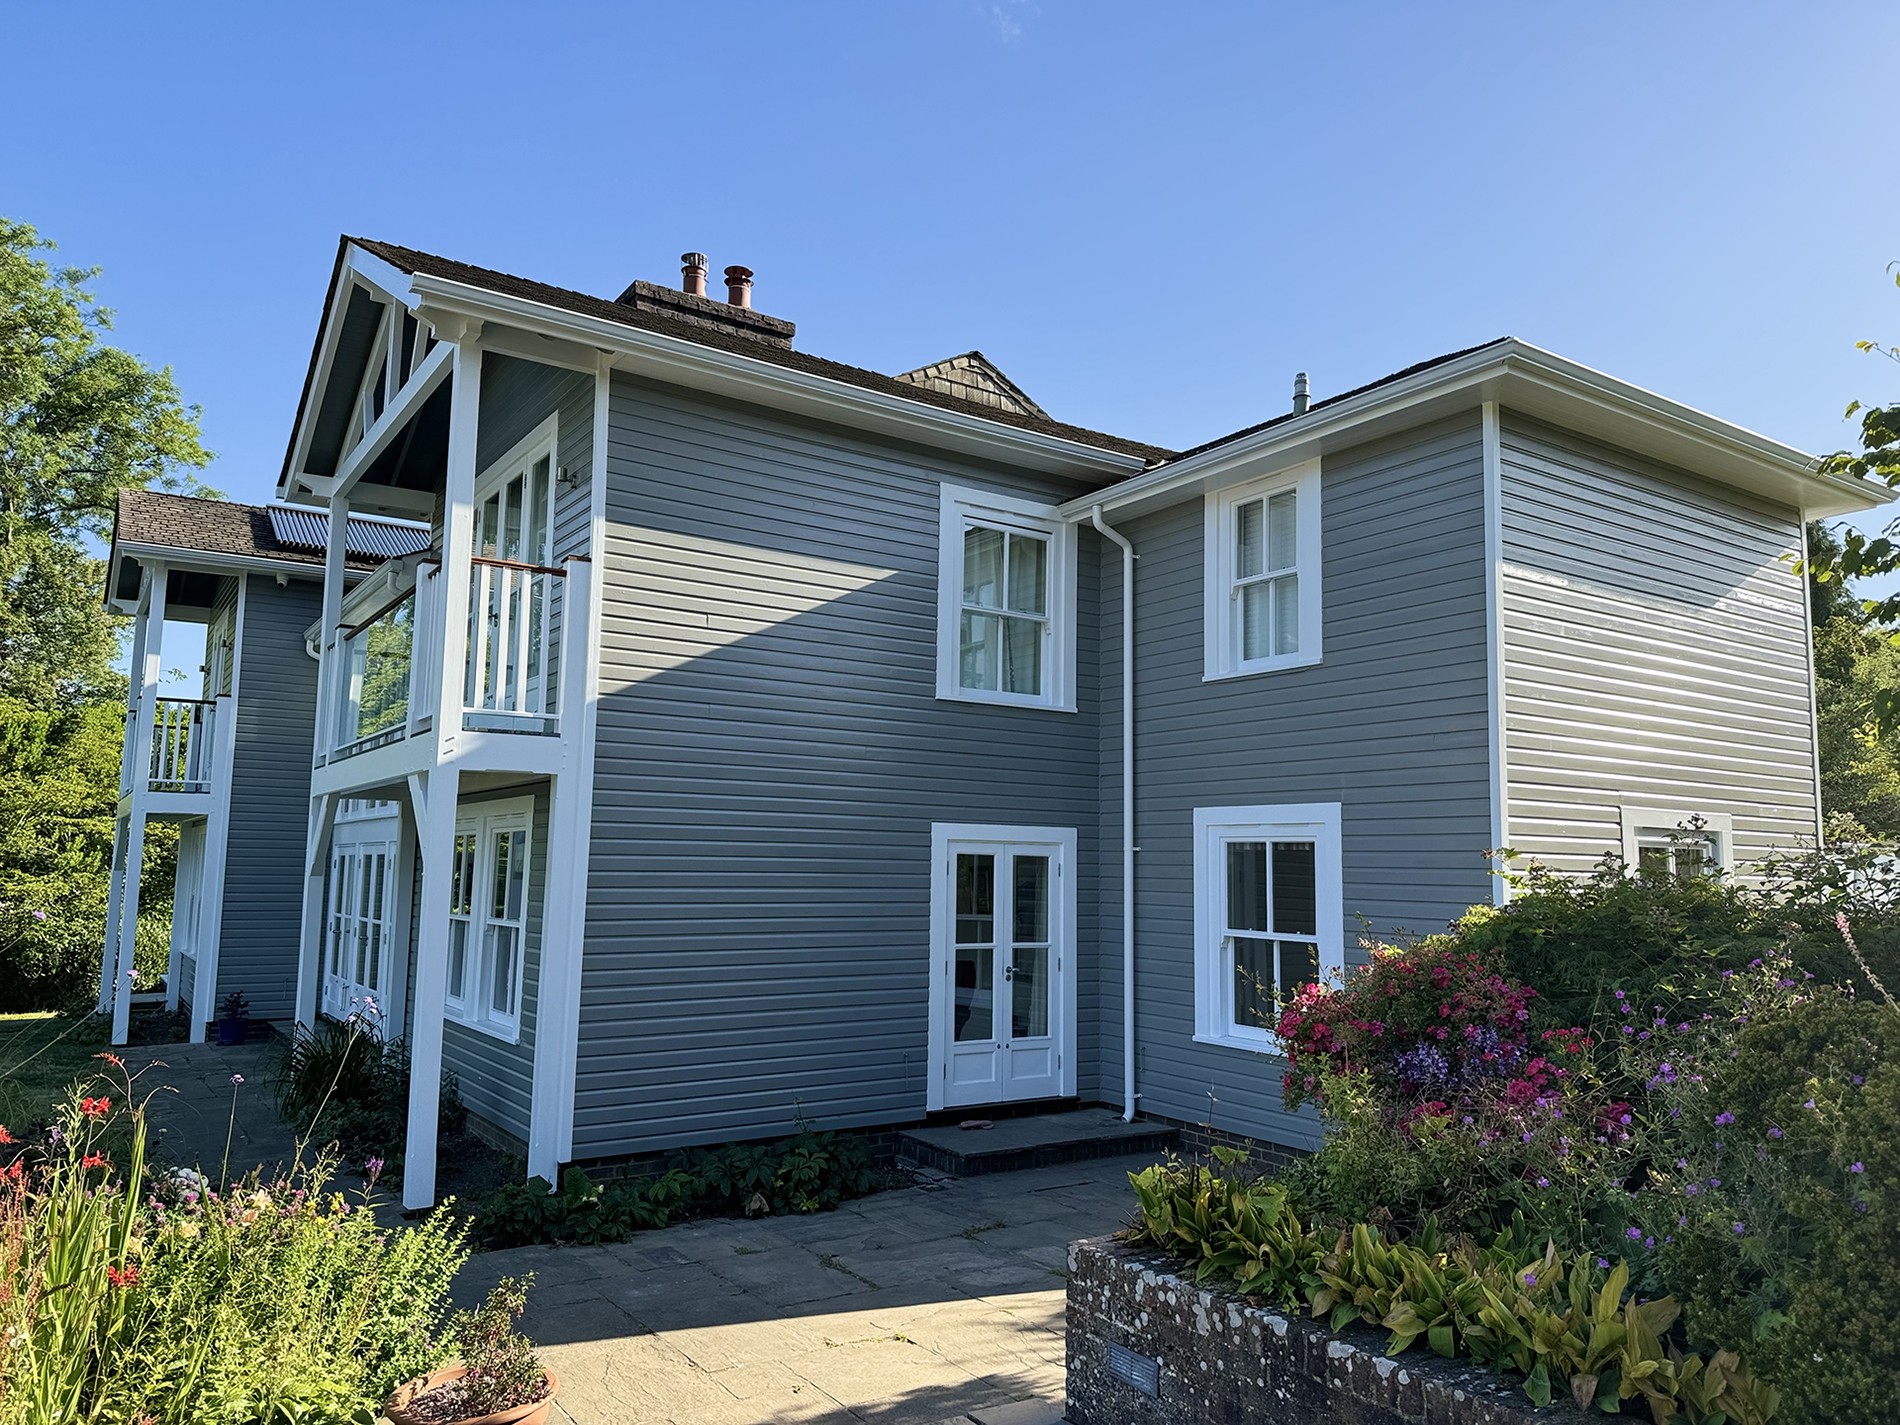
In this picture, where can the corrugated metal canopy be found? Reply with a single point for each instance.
(374, 539)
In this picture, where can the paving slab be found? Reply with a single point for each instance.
(938, 1303)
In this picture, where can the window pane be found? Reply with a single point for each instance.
(1283, 531)
(515, 904)
(1652, 860)
(1247, 885)
(1295, 889)
(1253, 984)
(979, 651)
(1254, 601)
(502, 944)
(458, 957)
(538, 512)
(1030, 889)
(1299, 965)
(974, 1010)
(976, 899)
(983, 568)
(1022, 655)
(1028, 574)
(1286, 614)
(1029, 992)
(1692, 858)
(1249, 519)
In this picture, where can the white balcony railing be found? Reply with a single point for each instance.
(390, 657)
(182, 742)
(511, 641)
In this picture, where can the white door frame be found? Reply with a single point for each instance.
(948, 838)
(375, 833)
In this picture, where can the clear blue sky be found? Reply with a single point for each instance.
(1149, 215)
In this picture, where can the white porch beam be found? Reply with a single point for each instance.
(437, 840)
(431, 374)
(204, 989)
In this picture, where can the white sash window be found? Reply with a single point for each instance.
(1263, 574)
(488, 915)
(1005, 601)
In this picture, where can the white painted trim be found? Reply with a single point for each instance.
(403, 928)
(1318, 822)
(388, 281)
(1537, 382)
(765, 383)
(1494, 636)
(960, 506)
(310, 924)
(400, 410)
(1220, 619)
(150, 674)
(1635, 820)
(945, 838)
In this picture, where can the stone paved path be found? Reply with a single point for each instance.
(194, 1111)
(942, 1302)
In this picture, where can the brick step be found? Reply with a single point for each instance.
(1039, 1140)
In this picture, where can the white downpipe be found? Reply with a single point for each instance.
(1128, 809)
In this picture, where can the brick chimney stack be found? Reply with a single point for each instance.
(739, 287)
(693, 273)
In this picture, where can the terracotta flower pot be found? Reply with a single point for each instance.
(397, 1406)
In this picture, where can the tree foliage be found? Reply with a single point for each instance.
(79, 421)
(1856, 686)
(59, 785)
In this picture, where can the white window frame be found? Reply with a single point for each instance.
(1220, 577)
(1214, 828)
(1647, 827)
(963, 507)
(485, 821)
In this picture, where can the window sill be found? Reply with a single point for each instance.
(505, 1033)
(1004, 700)
(1267, 1048)
(1278, 666)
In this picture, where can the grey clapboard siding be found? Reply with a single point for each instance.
(1392, 724)
(1655, 651)
(771, 756)
(517, 395)
(270, 796)
(187, 981)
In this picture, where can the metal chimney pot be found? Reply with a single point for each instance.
(1299, 394)
(693, 271)
(739, 286)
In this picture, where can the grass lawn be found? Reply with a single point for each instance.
(40, 1056)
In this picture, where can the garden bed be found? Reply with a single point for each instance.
(1212, 1355)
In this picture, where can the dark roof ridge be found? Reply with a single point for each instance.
(1414, 369)
(416, 262)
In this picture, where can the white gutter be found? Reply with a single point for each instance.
(1128, 809)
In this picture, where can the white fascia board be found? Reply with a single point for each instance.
(385, 277)
(226, 563)
(765, 383)
(1525, 378)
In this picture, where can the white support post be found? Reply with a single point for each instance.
(335, 555)
(115, 888)
(437, 839)
(151, 669)
(310, 927)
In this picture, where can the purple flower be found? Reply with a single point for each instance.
(1808, 1104)
(1604, 1263)
(1635, 1234)
(1774, 1132)
(1649, 1244)
(1856, 1167)
(1857, 1080)
(1690, 1190)
(1715, 1182)
(1859, 1206)
(1543, 1182)
(1740, 1228)
(39, 915)
(1724, 1118)
(1530, 1279)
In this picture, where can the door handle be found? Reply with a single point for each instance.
(1009, 972)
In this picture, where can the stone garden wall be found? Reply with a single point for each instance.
(1148, 1347)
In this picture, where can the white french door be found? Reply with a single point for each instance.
(510, 597)
(1002, 964)
(359, 948)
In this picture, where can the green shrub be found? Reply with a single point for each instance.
(1774, 1202)
(187, 1303)
(812, 1172)
(341, 1082)
(1567, 1327)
